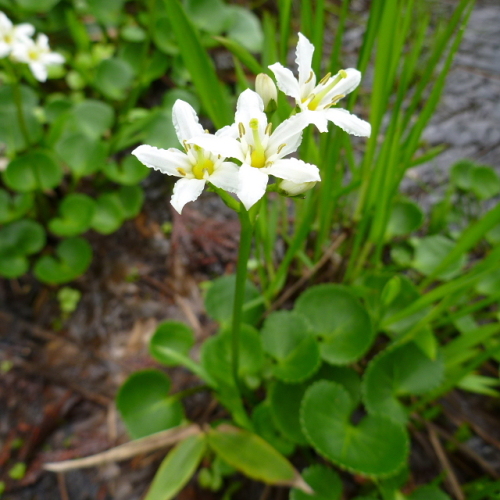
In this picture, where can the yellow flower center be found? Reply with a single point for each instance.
(317, 98)
(258, 155)
(203, 165)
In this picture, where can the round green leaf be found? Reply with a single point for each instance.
(76, 212)
(74, 256)
(461, 173)
(406, 217)
(172, 95)
(145, 405)
(163, 36)
(220, 297)
(245, 29)
(93, 117)
(264, 426)
(216, 356)
(430, 251)
(399, 372)
(15, 206)
(430, 492)
(211, 16)
(33, 171)
(485, 182)
(109, 214)
(159, 131)
(376, 447)
(286, 337)
(17, 240)
(339, 321)
(133, 33)
(325, 482)
(490, 284)
(493, 235)
(131, 199)
(83, 155)
(171, 339)
(113, 77)
(106, 11)
(130, 172)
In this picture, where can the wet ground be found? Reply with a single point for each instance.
(60, 376)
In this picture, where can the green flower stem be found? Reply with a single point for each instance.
(239, 293)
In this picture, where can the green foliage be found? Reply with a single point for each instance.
(338, 320)
(177, 468)
(76, 212)
(145, 404)
(375, 447)
(325, 482)
(170, 340)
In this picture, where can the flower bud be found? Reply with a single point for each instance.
(289, 188)
(265, 87)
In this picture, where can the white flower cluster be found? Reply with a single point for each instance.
(259, 151)
(16, 43)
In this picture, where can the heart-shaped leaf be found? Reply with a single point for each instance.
(113, 77)
(171, 339)
(109, 214)
(73, 257)
(93, 117)
(461, 174)
(485, 182)
(216, 354)
(245, 29)
(340, 322)
(212, 16)
(287, 338)
(253, 456)
(33, 171)
(130, 172)
(376, 447)
(76, 212)
(406, 217)
(285, 399)
(131, 199)
(220, 297)
(15, 206)
(399, 372)
(325, 482)
(83, 155)
(430, 251)
(145, 405)
(17, 240)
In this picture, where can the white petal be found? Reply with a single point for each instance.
(42, 41)
(226, 147)
(294, 170)
(305, 51)
(186, 190)
(25, 30)
(228, 131)
(5, 22)
(4, 49)
(289, 133)
(350, 123)
(345, 86)
(226, 176)
(285, 80)
(253, 183)
(250, 107)
(39, 71)
(186, 122)
(53, 58)
(166, 161)
(317, 118)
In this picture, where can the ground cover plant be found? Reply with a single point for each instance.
(319, 378)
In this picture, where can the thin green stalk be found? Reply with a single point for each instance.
(239, 293)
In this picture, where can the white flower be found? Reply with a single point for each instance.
(316, 101)
(265, 87)
(37, 55)
(290, 188)
(261, 152)
(11, 35)
(194, 167)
